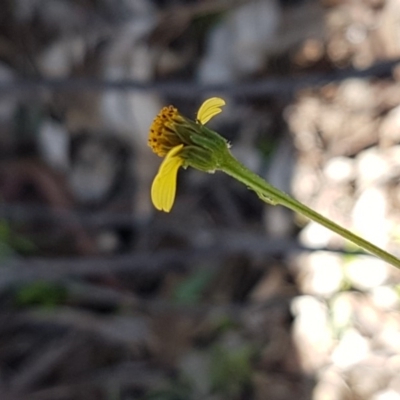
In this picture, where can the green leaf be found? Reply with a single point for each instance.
(231, 369)
(45, 294)
(191, 289)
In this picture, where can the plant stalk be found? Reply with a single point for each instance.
(274, 196)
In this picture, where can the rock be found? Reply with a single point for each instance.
(340, 169)
(388, 338)
(366, 316)
(320, 273)
(236, 47)
(389, 29)
(330, 385)
(371, 166)
(356, 94)
(389, 130)
(385, 297)
(365, 272)
(351, 349)
(388, 394)
(311, 332)
(368, 378)
(394, 383)
(342, 310)
(369, 216)
(315, 235)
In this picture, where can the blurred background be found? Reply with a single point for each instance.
(225, 298)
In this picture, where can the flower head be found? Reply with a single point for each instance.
(183, 143)
(162, 136)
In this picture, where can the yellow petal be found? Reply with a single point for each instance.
(209, 109)
(163, 188)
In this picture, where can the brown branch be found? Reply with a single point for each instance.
(280, 87)
(130, 374)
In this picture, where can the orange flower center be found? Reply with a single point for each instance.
(162, 136)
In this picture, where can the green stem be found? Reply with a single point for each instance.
(272, 195)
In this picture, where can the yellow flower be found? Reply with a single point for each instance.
(183, 143)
